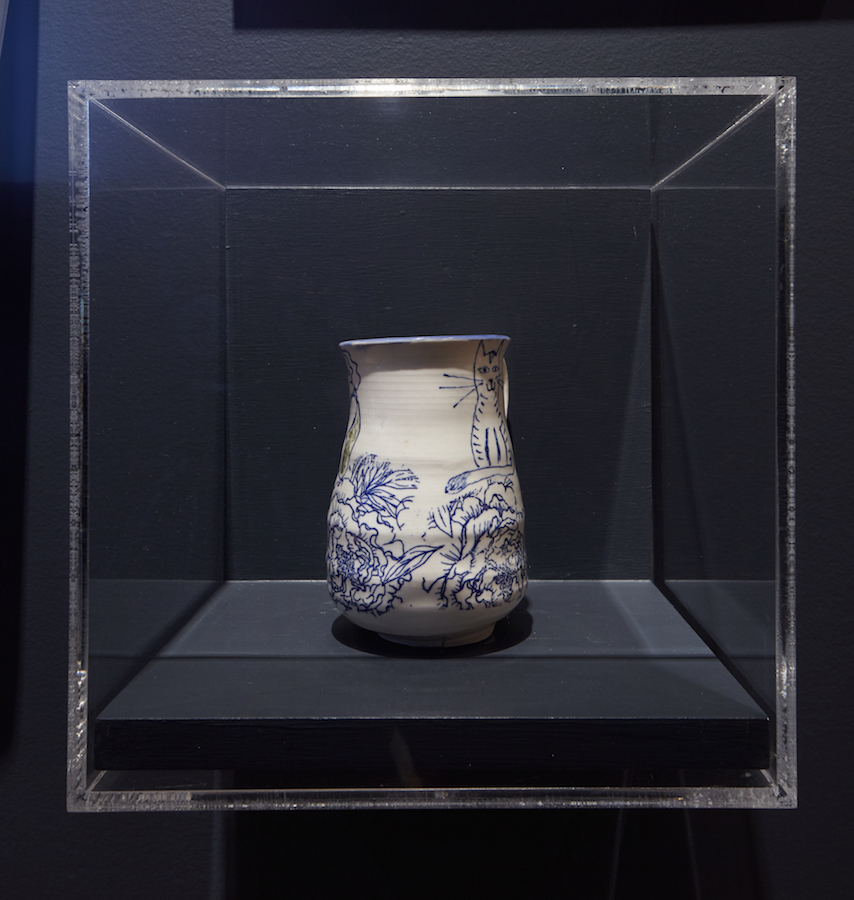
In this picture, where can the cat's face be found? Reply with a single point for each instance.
(486, 369)
(487, 376)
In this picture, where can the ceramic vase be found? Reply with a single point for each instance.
(426, 524)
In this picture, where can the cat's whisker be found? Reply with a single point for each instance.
(463, 398)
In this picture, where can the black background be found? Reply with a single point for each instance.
(777, 854)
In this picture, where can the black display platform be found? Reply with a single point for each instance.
(267, 675)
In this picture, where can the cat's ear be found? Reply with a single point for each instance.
(485, 355)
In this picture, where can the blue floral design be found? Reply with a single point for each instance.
(485, 561)
(365, 572)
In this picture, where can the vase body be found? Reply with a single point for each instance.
(426, 525)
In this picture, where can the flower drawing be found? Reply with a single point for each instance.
(485, 560)
(367, 563)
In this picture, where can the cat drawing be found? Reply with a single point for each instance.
(490, 441)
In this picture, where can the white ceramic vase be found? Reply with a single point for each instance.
(426, 524)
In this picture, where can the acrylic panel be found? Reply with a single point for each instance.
(634, 239)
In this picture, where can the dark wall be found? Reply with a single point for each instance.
(46, 852)
(17, 143)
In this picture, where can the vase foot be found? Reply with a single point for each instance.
(459, 640)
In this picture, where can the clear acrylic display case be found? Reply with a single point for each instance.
(635, 239)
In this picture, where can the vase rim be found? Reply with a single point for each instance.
(423, 339)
